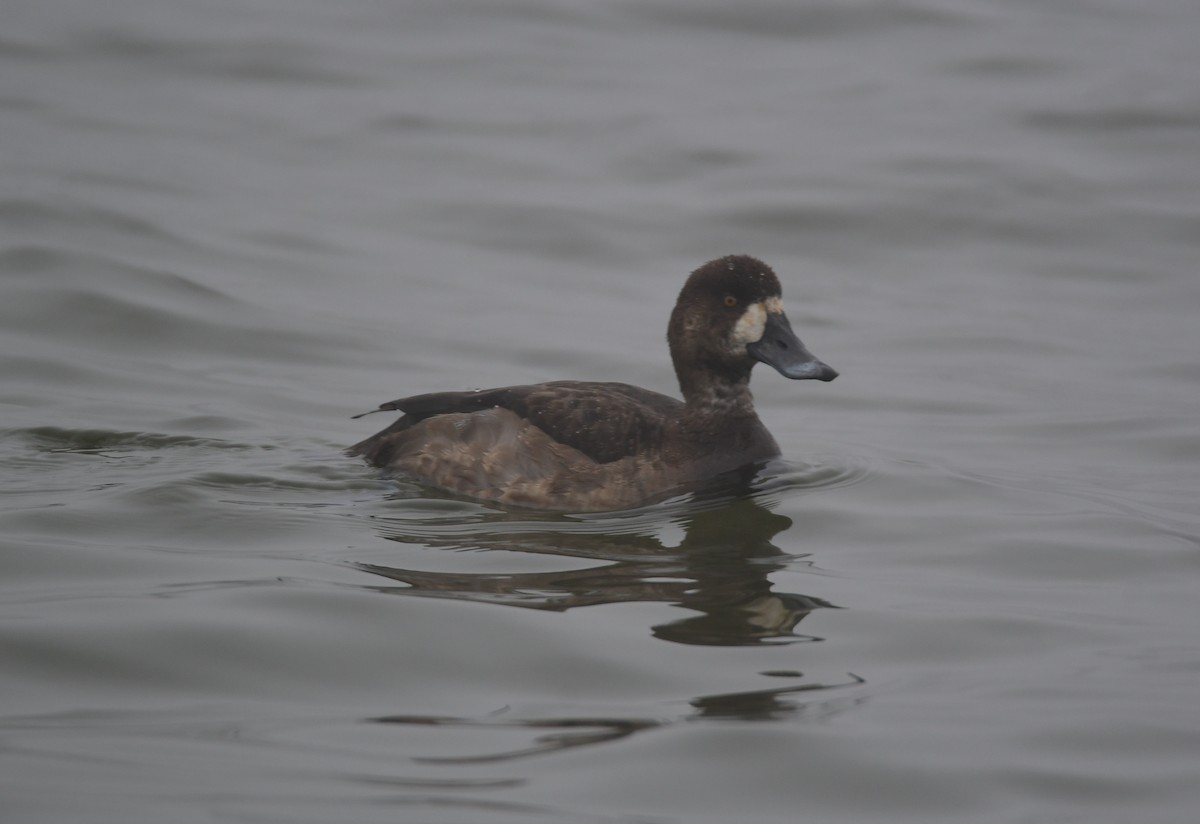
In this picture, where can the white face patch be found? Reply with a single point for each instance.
(750, 326)
(774, 305)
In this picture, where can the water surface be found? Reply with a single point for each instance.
(967, 591)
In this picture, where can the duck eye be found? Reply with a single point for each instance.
(730, 300)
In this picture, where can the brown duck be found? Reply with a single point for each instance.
(586, 446)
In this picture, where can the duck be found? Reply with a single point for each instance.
(589, 446)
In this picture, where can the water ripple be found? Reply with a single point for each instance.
(815, 20)
(108, 442)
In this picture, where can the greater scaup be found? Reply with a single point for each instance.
(577, 445)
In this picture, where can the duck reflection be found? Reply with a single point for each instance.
(718, 571)
(772, 704)
(556, 734)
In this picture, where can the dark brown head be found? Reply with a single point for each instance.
(729, 316)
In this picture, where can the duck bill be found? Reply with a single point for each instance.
(779, 347)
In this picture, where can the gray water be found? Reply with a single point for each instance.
(969, 592)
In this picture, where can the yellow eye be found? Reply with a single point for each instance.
(730, 300)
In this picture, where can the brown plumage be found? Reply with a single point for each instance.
(576, 445)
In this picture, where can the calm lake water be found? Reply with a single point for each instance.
(970, 591)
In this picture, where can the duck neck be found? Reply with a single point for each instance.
(722, 397)
(719, 420)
